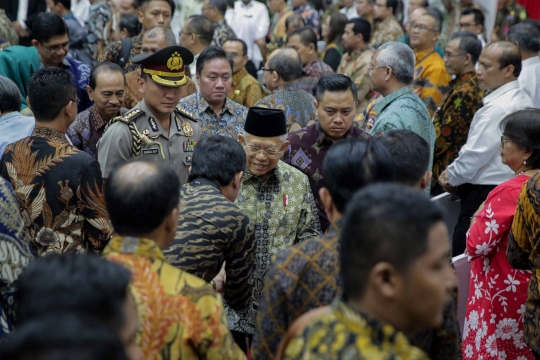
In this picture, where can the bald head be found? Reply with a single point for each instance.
(287, 63)
(139, 196)
(156, 39)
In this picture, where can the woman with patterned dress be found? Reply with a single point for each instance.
(497, 292)
(332, 30)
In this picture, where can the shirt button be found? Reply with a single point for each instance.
(172, 161)
(170, 143)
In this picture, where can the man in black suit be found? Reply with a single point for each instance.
(23, 23)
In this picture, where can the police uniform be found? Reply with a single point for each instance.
(508, 16)
(138, 134)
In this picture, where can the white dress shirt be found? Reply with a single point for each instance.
(349, 12)
(479, 161)
(250, 22)
(193, 70)
(22, 12)
(81, 10)
(529, 79)
(481, 38)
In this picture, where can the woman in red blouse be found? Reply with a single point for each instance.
(497, 292)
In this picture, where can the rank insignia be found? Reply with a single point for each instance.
(189, 145)
(153, 124)
(188, 130)
(178, 127)
(175, 61)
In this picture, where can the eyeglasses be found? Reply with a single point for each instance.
(379, 5)
(376, 67)
(76, 100)
(188, 33)
(448, 55)
(421, 27)
(57, 48)
(269, 153)
(466, 26)
(263, 69)
(503, 141)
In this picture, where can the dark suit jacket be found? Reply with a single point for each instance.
(35, 7)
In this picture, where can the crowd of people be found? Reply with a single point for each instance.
(249, 180)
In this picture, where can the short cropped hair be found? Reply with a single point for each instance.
(527, 35)
(383, 223)
(144, 3)
(523, 129)
(202, 27)
(510, 55)
(168, 35)
(411, 154)
(352, 164)
(210, 53)
(49, 90)
(83, 284)
(479, 18)
(468, 43)
(10, 96)
(243, 43)
(287, 63)
(295, 19)
(400, 58)
(63, 335)
(393, 4)
(140, 207)
(334, 83)
(361, 26)
(436, 14)
(47, 26)
(130, 22)
(217, 158)
(306, 34)
(220, 5)
(104, 67)
(65, 3)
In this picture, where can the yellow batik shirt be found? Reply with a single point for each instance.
(387, 30)
(355, 65)
(245, 89)
(180, 315)
(343, 333)
(431, 80)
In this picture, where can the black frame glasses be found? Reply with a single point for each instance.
(57, 48)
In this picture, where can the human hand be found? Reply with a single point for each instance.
(221, 279)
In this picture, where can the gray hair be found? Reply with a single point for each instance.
(400, 58)
(167, 34)
(287, 63)
(282, 138)
(527, 35)
(10, 96)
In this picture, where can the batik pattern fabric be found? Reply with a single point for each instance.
(245, 89)
(297, 104)
(308, 148)
(7, 31)
(311, 17)
(301, 278)
(355, 65)
(453, 120)
(229, 123)
(211, 230)
(87, 129)
(278, 31)
(431, 80)
(98, 18)
(386, 31)
(14, 255)
(113, 52)
(222, 33)
(180, 315)
(497, 292)
(523, 254)
(60, 193)
(284, 213)
(343, 333)
(311, 73)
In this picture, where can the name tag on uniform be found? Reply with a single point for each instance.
(150, 151)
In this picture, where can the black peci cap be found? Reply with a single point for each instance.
(265, 122)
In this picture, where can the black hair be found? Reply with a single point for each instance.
(479, 18)
(523, 129)
(130, 22)
(217, 158)
(361, 26)
(306, 34)
(527, 35)
(337, 26)
(383, 223)
(220, 5)
(50, 89)
(468, 43)
(143, 4)
(63, 336)
(510, 55)
(104, 67)
(244, 45)
(393, 4)
(287, 63)
(47, 26)
(436, 14)
(295, 19)
(210, 53)
(351, 164)
(202, 27)
(334, 83)
(65, 3)
(411, 154)
(84, 284)
(10, 96)
(139, 207)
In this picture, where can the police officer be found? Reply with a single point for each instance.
(509, 13)
(155, 129)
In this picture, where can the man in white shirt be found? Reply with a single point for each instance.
(250, 22)
(196, 35)
(527, 38)
(349, 9)
(473, 20)
(478, 168)
(81, 10)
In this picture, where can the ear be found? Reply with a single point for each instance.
(386, 281)
(140, 15)
(124, 33)
(241, 139)
(286, 144)
(245, 59)
(389, 72)
(90, 92)
(312, 48)
(68, 110)
(426, 180)
(326, 200)
(237, 180)
(509, 71)
(198, 79)
(140, 85)
(35, 43)
(468, 59)
(172, 221)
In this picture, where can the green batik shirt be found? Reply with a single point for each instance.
(284, 213)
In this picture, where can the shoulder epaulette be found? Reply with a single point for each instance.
(181, 111)
(127, 118)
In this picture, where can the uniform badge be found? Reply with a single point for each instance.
(175, 62)
(154, 151)
(188, 130)
(188, 158)
(153, 124)
(236, 92)
(189, 145)
(178, 127)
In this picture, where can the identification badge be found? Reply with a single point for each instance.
(189, 145)
(150, 151)
(153, 124)
(188, 158)
(188, 130)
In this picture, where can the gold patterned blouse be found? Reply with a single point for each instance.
(245, 89)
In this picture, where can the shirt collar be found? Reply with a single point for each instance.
(65, 64)
(204, 181)
(248, 5)
(286, 87)
(391, 97)
(499, 91)
(47, 133)
(420, 55)
(134, 246)
(97, 119)
(10, 115)
(471, 75)
(310, 66)
(322, 138)
(275, 172)
(204, 106)
(239, 76)
(530, 61)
